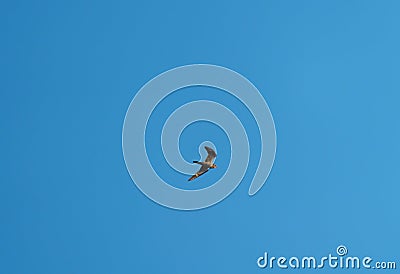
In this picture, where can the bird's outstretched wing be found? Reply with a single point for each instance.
(211, 154)
(201, 171)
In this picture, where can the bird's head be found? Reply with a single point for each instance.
(214, 166)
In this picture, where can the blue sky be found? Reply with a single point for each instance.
(329, 71)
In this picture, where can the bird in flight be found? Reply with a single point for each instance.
(206, 165)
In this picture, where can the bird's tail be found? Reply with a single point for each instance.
(195, 162)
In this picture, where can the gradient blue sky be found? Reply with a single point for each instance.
(329, 71)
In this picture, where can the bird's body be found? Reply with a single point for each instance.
(206, 165)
